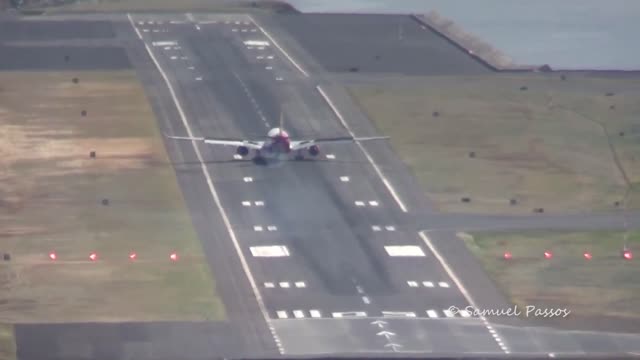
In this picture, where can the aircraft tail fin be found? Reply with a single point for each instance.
(281, 121)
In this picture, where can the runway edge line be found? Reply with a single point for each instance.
(463, 290)
(366, 153)
(278, 46)
(216, 199)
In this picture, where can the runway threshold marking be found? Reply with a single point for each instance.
(404, 250)
(269, 251)
(349, 314)
(279, 48)
(216, 198)
(461, 287)
(366, 153)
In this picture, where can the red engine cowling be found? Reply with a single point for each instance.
(314, 150)
(242, 151)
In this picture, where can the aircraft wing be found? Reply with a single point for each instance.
(303, 144)
(225, 142)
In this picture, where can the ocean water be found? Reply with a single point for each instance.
(566, 34)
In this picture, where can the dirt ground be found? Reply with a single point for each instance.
(51, 200)
(563, 145)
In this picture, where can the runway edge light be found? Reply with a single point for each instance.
(548, 254)
(173, 256)
(53, 256)
(627, 254)
(93, 256)
(587, 255)
(507, 255)
(133, 256)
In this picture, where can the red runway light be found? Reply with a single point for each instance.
(173, 256)
(587, 256)
(133, 256)
(627, 255)
(52, 256)
(93, 256)
(507, 255)
(548, 254)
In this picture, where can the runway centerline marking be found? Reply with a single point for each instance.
(458, 283)
(366, 153)
(214, 194)
(279, 48)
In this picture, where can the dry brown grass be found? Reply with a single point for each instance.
(544, 146)
(7, 343)
(50, 201)
(602, 290)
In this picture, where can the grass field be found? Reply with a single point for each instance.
(602, 293)
(545, 146)
(51, 200)
(7, 343)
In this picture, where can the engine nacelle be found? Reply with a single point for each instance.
(314, 150)
(242, 151)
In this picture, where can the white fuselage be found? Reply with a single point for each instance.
(279, 143)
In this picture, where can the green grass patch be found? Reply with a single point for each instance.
(544, 146)
(603, 289)
(52, 201)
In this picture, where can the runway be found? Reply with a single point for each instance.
(317, 237)
(310, 257)
(334, 222)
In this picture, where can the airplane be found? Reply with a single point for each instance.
(278, 144)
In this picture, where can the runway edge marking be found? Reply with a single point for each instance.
(366, 153)
(278, 46)
(216, 199)
(462, 289)
(134, 26)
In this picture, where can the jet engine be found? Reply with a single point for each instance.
(242, 151)
(313, 150)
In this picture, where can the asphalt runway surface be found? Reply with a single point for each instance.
(378, 44)
(38, 29)
(301, 251)
(15, 58)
